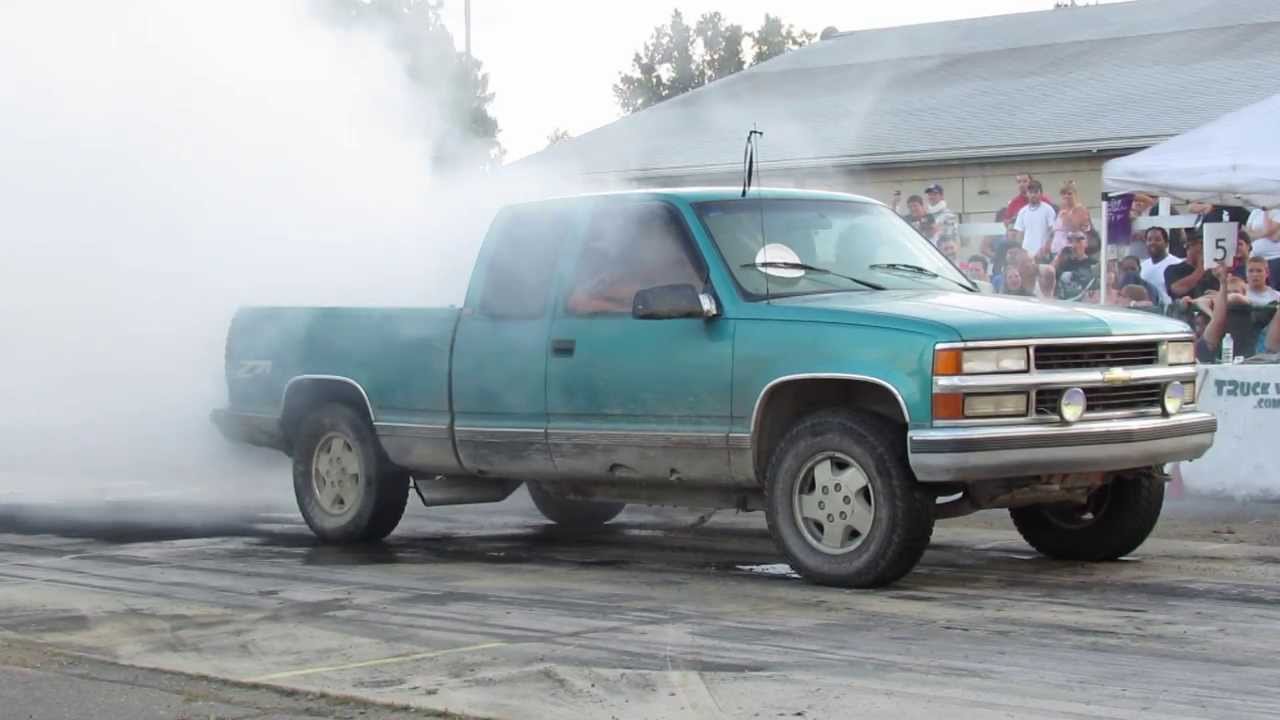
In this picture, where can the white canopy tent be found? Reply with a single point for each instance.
(1234, 160)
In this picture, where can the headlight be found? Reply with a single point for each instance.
(1072, 404)
(1012, 405)
(979, 362)
(1175, 394)
(1180, 353)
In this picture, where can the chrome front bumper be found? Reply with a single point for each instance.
(957, 454)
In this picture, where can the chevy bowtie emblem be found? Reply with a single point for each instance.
(1116, 376)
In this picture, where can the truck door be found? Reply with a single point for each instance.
(631, 398)
(500, 350)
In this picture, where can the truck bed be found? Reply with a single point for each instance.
(399, 356)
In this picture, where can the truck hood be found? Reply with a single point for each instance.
(976, 316)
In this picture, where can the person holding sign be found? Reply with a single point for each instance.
(1208, 344)
(1192, 278)
(1224, 243)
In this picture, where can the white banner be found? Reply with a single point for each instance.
(1243, 461)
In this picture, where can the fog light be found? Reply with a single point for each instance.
(1175, 394)
(1072, 404)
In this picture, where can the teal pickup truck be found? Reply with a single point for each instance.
(797, 352)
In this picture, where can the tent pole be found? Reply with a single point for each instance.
(1102, 260)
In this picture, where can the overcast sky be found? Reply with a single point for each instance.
(553, 63)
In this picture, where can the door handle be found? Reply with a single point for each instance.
(563, 347)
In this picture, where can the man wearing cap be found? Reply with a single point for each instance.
(1073, 266)
(944, 221)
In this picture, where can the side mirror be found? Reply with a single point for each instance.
(673, 301)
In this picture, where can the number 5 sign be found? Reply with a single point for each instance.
(1219, 243)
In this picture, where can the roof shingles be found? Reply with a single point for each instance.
(1108, 74)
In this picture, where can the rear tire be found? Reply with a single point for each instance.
(347, 490)
(1114, 522)
(842, 503)
(575, 514)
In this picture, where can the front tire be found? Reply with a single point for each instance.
(347, 490)
(842, 504)
(575, 514)
(1113, 522)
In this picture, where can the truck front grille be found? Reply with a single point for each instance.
(1105, 399)
(1096, 355)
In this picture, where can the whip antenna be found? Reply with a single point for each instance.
(748, 174)
(749, 160)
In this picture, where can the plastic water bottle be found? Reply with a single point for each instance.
(1228, 349)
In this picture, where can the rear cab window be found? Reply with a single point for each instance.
(517, 266)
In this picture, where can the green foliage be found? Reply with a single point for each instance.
(558, 135)
(452, 88)
(773, 38)
(678, 58)
(721, 44)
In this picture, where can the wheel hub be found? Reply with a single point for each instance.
(336, 475)
(834, 504)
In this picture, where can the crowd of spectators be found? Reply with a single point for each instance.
(1049, 250)
(1053, 251)
(1239, 297)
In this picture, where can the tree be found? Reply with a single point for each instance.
(721, 45)
(773, 38)
(678, 58)
(453, 90)
(558, 135)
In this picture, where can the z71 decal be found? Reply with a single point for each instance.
(252, 368)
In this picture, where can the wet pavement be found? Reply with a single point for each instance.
(490, 611)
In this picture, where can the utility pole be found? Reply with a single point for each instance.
(467, 22)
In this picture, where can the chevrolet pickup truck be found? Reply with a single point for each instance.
(802, 353)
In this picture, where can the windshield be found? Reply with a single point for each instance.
(817, 246)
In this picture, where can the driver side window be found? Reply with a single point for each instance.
(631, 247)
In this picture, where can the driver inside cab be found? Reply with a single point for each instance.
(620, 260)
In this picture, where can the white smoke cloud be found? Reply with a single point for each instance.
(162, 163)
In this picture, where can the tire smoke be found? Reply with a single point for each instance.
(163, 164)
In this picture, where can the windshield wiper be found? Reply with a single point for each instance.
(810, 268)
(920, 270)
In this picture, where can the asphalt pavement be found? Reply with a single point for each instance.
(156, 608)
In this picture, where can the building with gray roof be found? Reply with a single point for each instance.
(965, 103)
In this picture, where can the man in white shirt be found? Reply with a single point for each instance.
(1264, 228)
(1153, 267)
(1034, 224)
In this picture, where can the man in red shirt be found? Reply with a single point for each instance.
(1020, 200)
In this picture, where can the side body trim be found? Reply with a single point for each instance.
(424, 448)
(654, 439)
